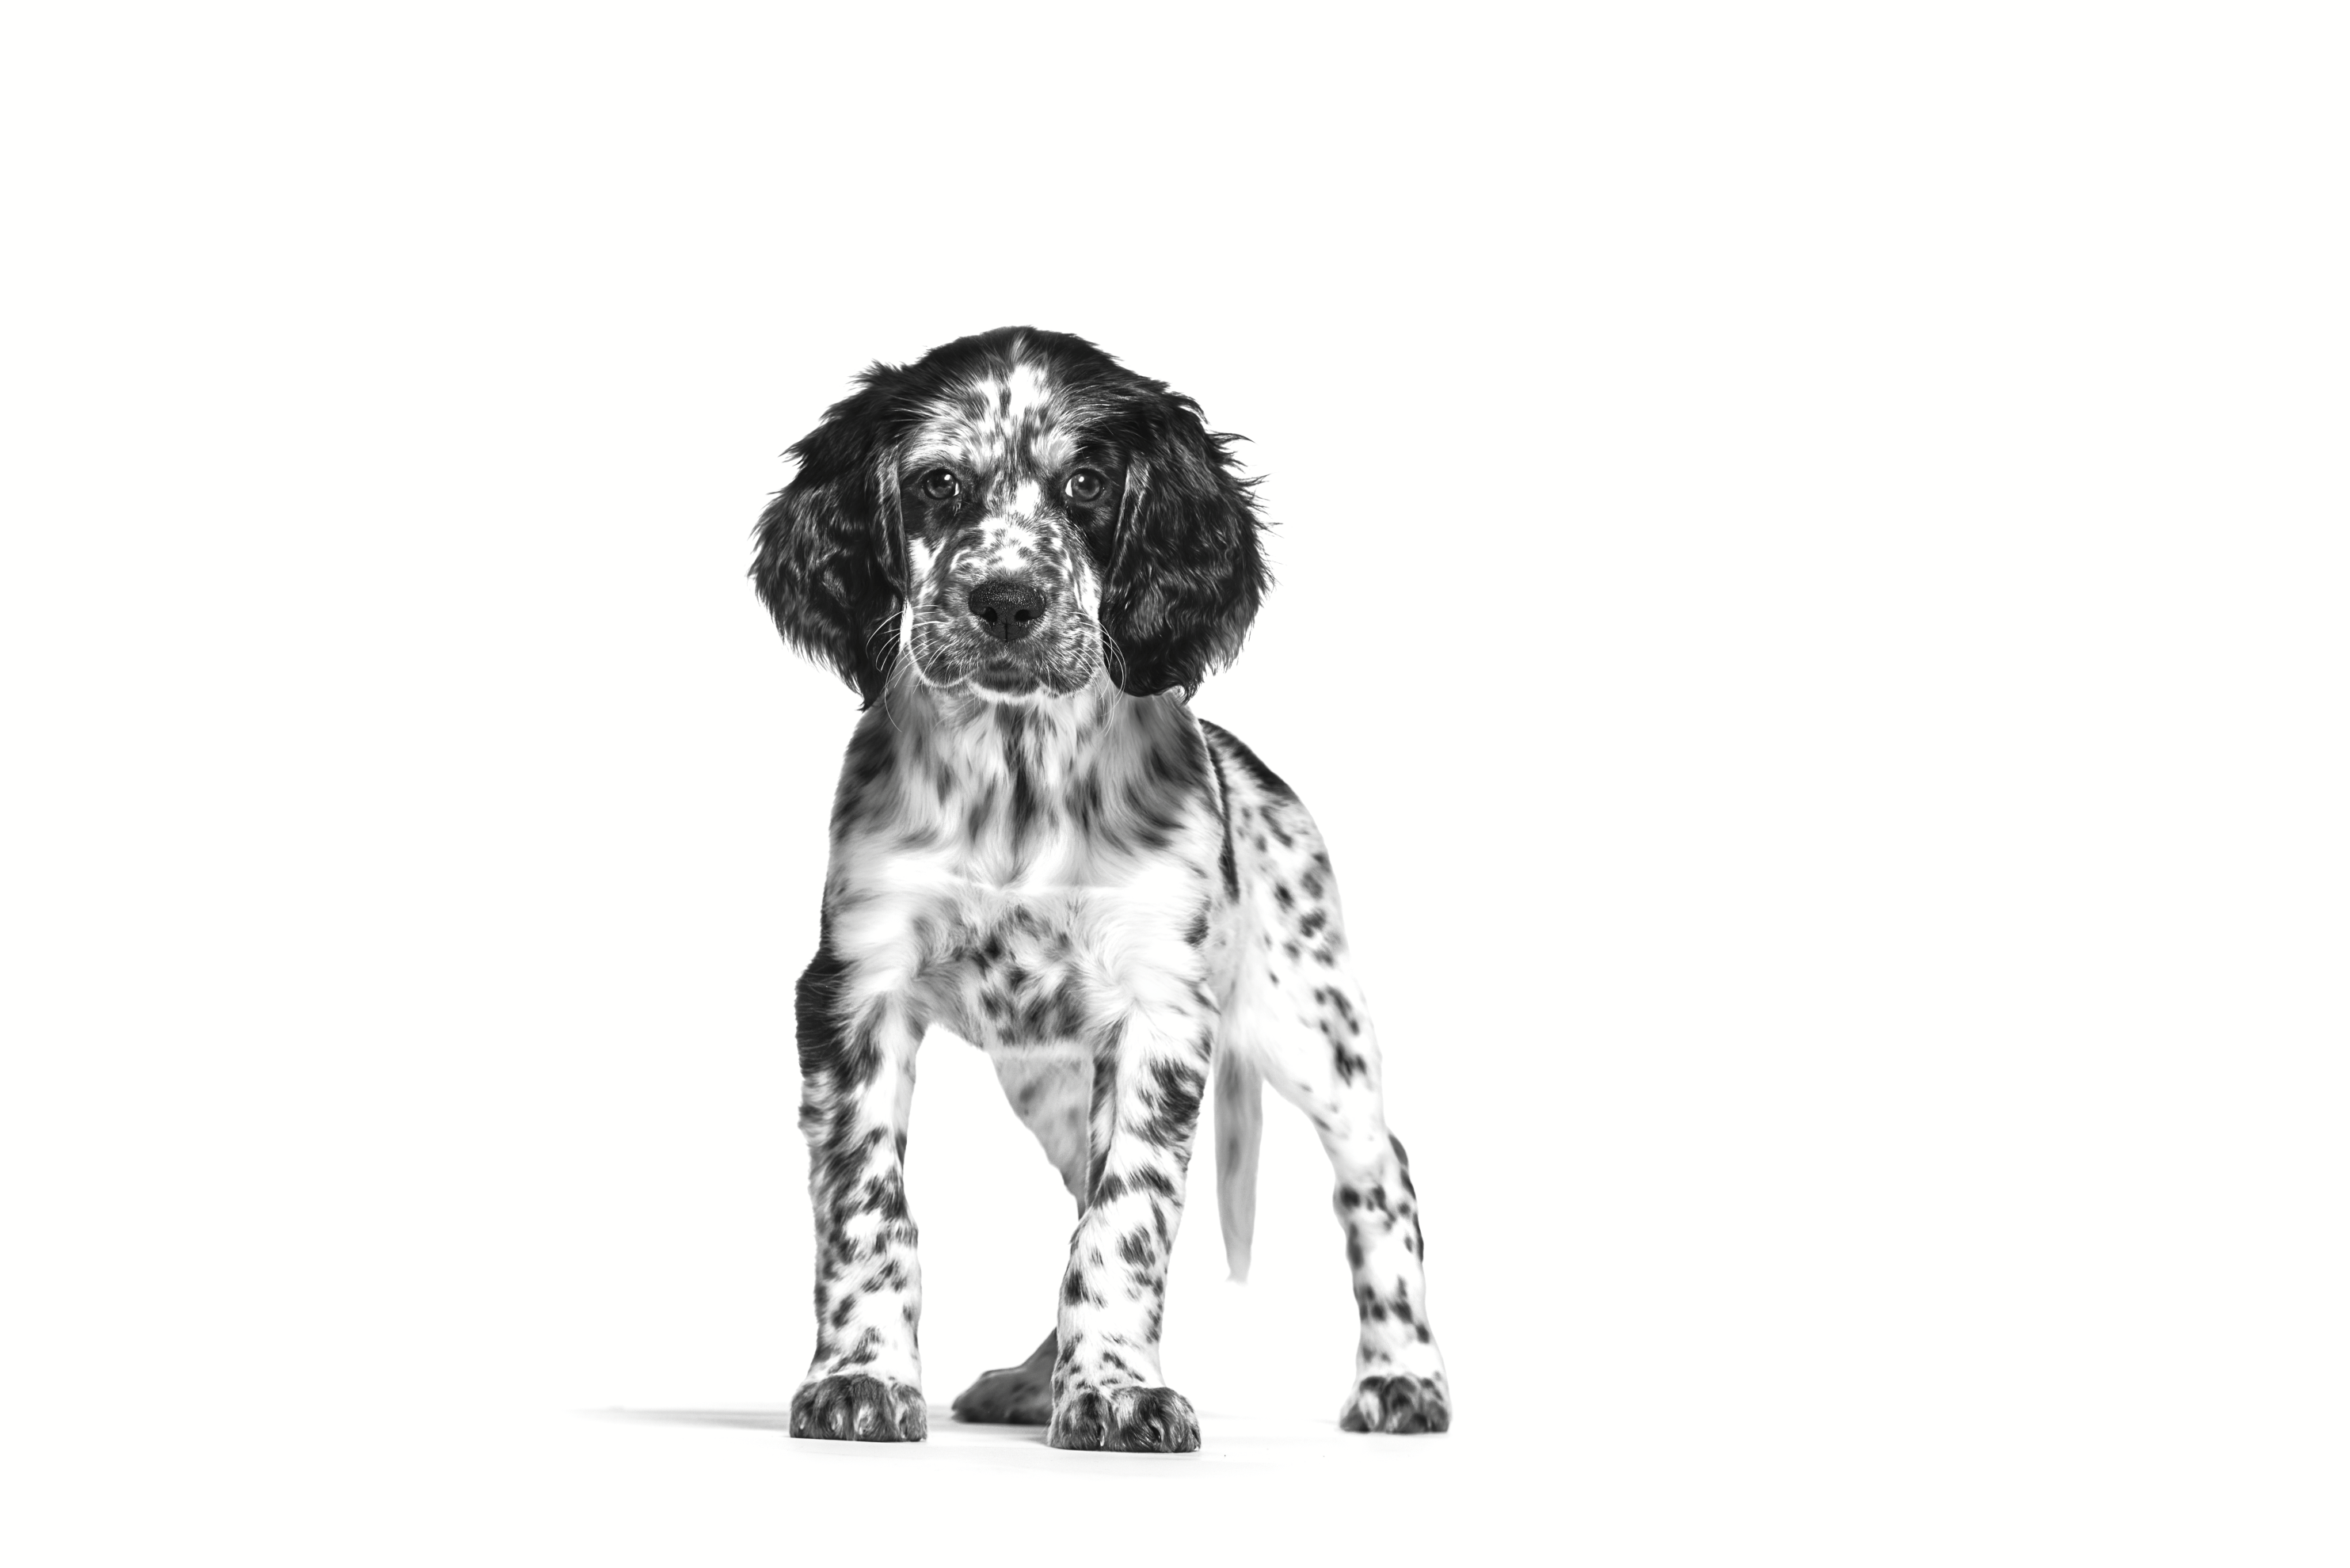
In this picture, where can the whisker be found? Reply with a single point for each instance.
(1113, 656)
(885, 657)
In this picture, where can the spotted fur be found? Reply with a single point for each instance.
(1027, 557)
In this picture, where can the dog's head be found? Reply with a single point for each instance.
(1009, 513)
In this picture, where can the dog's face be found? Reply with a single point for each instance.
(1005, 516)
(1010, 507)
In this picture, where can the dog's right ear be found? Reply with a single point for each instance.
(831, 565)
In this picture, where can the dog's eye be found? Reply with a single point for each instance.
(1083, 485)
(939, 484)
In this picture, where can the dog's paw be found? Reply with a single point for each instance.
(853, 1407)
(1015, 1396)
(1129, 1420)
(1397, 1405)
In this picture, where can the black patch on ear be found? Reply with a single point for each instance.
(1186, 573)
(830, 561)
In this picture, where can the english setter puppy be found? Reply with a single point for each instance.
(1025, 557)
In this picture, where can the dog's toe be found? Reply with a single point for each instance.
(1397, 1405)
(1126, 1420)
(853, 1407)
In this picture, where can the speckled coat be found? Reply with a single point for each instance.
(1027, 557)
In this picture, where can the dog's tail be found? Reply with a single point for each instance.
(1240, 1129)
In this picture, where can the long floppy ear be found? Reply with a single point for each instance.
(830, 563)
(1186, 573)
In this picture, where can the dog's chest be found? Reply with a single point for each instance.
(1033, 976)
(1033, 885)
(1014, 967)
(1035, 959)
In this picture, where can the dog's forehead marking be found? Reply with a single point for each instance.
(1001, 420)
(1026, 387)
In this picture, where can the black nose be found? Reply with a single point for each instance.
(1006, 607)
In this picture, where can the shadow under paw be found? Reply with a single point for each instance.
(1397, 1405)
(851, 1406)
(1125, 1420)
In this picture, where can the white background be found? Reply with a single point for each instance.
(1810, 611)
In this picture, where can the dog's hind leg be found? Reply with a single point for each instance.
(1051, 1091)
(1328, 1064)
(1018, 1395)
(1299, 1015)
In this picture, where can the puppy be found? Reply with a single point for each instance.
(1026, 557)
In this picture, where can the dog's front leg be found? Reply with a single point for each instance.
(857, 1068)
(1148, 1070)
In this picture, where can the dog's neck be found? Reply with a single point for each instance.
(960, 719)
(952, 762)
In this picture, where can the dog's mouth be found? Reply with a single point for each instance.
(1052, 661)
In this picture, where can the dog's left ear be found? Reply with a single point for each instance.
(830, 564)
(1186, 572)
